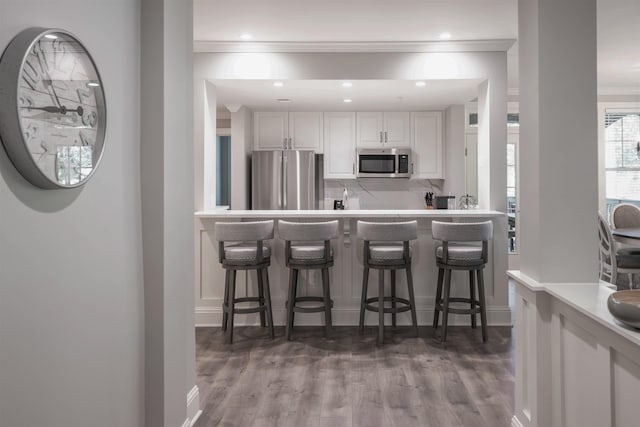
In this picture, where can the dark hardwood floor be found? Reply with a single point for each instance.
(349, 381)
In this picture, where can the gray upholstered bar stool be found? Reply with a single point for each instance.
(241, 247)
(464, 247)
(386, 247)
(308, 246)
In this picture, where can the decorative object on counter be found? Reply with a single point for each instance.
(442, 202)
(428, 200)
(338, 205)
(53, 112)
(345, 198)
(625, 307)
(386, 247)
(245, 251)
(308, 247)
(468, 202)
(463, 254)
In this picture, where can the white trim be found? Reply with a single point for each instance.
(212, 317)
(186, 423)
(497, 45)
(515, 422)
(193, 407)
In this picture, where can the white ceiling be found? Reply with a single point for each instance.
(416, 21)
(329, 95)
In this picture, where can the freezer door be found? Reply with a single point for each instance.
(299, 180)
(266, 180)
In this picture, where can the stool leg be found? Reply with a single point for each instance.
(327, 301)
(365, 284)
(393, 297)
(412, 299)
(445, 303)
(472, 297)
(225, 302)
(483, 307)
(436, 309)
(261, 297)
(267, 292)
(381, 307)
(231, 304)
(291, 302)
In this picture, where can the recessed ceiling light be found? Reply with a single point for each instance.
(51, 36)
(93, 84)
(246, 36)
(444, 36)
(278, 84)
(283, 100)
(347, 84)
(421, 84)
(347, 100)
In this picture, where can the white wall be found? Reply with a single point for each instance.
(71, 288)
(167, 209)
(241, 147)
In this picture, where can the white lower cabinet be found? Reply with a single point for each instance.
(339, 145)
(427, 145)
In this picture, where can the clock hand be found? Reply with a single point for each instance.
(49, 83)
(62, 109)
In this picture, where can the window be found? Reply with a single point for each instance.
(622, 156)
(512, 174)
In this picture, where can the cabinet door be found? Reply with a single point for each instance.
(369, 132)
(305, 131)
(427, 146)
(397, 128)
(339, 145)
(270, 130)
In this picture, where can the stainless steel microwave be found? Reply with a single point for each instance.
(384, 162)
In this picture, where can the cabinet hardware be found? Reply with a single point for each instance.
(385, 136)
(380, 136)
(353, 168)
(284, 142)
(412, 168)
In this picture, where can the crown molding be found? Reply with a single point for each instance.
(497, 45)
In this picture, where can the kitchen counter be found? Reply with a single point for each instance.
(351, 213)
(346, 274)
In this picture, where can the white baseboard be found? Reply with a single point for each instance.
(209, 316)
(193, 406)
(515, 422)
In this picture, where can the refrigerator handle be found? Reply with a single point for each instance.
(285, 178)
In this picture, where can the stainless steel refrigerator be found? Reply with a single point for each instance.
(286, 180)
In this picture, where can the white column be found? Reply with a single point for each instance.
(558, 140)
(166, 163)
(241, 147)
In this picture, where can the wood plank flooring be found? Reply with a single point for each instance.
(349, 381)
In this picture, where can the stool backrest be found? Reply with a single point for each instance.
(388, 231)
(625, 215)
(308, 231)
(462, 231)
(244, 231)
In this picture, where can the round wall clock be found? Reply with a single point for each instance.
(52, 108)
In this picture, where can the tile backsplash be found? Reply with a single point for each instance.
(382, 193)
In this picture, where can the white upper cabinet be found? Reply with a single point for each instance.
(427, 145)
(305, 131)
(283, 130)
(377, 130)
(270, 130)
(339, 145)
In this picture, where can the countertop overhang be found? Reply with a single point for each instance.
(350, 213)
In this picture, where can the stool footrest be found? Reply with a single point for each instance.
(401, 309)
(310, 309)
(244, 310)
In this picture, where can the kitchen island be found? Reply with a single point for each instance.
(346, 274)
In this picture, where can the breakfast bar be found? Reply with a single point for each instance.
(346, 274)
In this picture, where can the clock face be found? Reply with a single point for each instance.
(60, 110)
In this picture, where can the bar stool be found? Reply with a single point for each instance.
(308, 246)
(386, 247)
(246, 252)
(470, 256)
